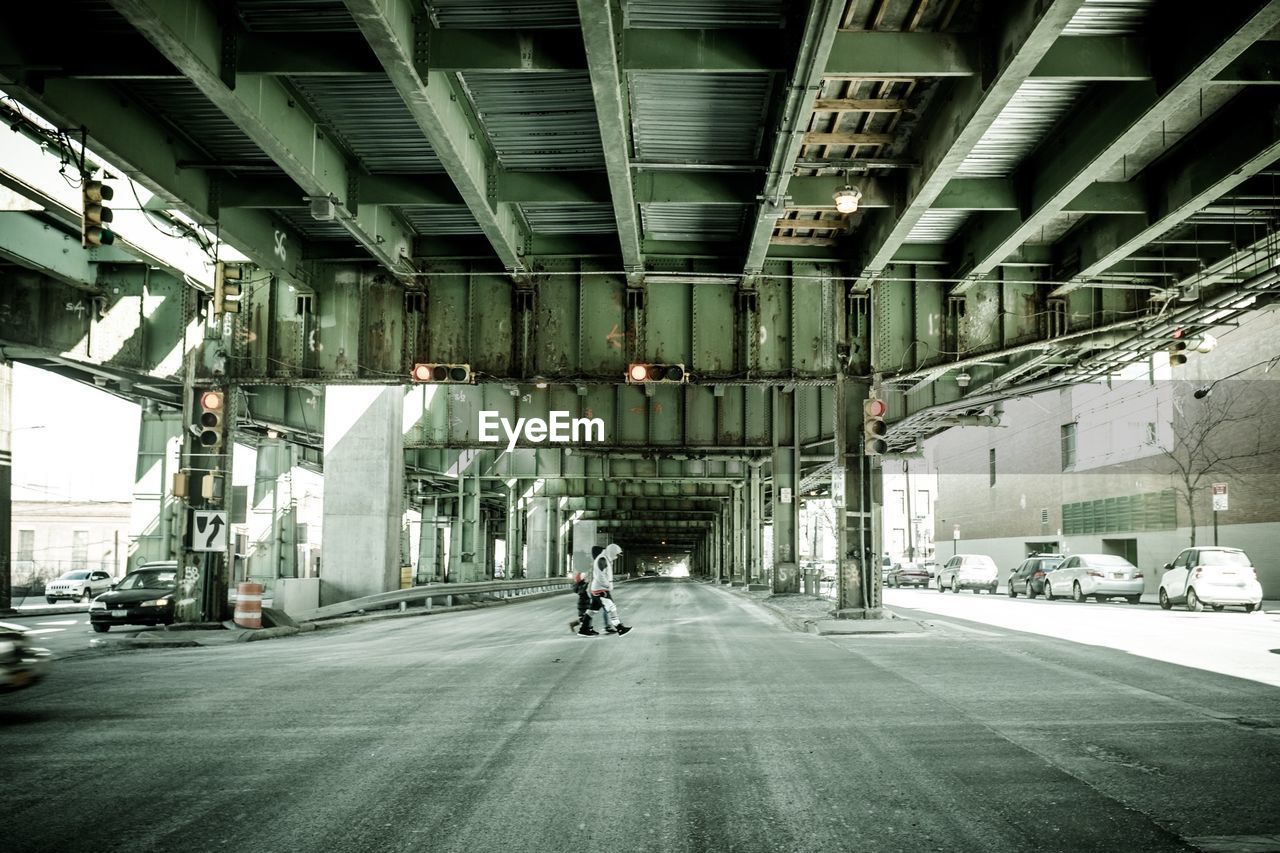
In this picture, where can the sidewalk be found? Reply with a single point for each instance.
(812, 615)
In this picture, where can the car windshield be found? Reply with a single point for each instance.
(73, 576)
(1224, 558)
(1109, 560)
(1050, 565)
(979, 562)
(153, 579)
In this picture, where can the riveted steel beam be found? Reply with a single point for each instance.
(395, 29)
(812, 58)
(601, 25)
(1242, 140)
(190, 35)
(1101, 134)
(1025, 36)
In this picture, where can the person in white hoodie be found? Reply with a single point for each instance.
(602, 586)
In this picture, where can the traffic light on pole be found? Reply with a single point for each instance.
(1178, 349)
(94, 215)
(442, 374)
(226, 288)
(210, 420)
(646, 374)
(873, 427)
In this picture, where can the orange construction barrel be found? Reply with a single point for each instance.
(249, 605)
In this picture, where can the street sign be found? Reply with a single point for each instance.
(955, 532)
(784, 495)
(837, 484)
(1219, 497)
(208, 530)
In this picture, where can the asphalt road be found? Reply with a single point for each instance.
(711, 727)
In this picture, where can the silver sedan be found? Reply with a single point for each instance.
(1101, 576)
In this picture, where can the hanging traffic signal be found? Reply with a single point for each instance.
(1178, 349)
(873, 427)
(442, 373)
(226, 288)
(210, 420)
(94, 215)
(641, 374)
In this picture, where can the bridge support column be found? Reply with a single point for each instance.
(6, 486)
(540, 537)
(857, 536)
(584, 537)
(738, 536)
(514, 567)
(272, 528)
(431, 550)
(153, 521)
(786, 485)
(755, 524)
(467, 546)
(364, 491)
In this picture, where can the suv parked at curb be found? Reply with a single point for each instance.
(80, 584)
(969, 571)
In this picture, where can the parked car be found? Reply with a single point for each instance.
(969, 571)
(143, 597)
(21, 664)
(907, 574)
(930, 566)
(82, 584)
(1102, 576)
(1213, 576)
(1028, 577)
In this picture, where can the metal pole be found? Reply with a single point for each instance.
(1215, 528)
(911, 528)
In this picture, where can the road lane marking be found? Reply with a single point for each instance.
(45, 631)
(64, 622)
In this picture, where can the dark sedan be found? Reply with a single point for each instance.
(143, 597)
(1028, 578)
(21, 664)
(908, 574)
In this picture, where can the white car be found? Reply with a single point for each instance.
(969, 571)
(1213, 576)
(1102, 576)
(81, 584)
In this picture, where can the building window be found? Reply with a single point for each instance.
(1068, 446)
(991, 465)
(80, 548)
(1153, 437)
(26, 545)
(900, 500)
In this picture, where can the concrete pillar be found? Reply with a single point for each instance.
(153, 521)
(539, 557)
(515, 532)
(786, 498)
(584, 537)
(364, 491)
(466, 553)
(271, 523)
(431, 544)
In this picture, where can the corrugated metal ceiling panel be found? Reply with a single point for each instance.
(313, 229)
(698, 118)
(544, 120)
(312, 16)
(1109, 18)
(570, 218)
(195, 116)
(431, 220)
(710, 222)
(937, 226)
(369, 117)
(702, 14)
(504, 14)
(1024, 122)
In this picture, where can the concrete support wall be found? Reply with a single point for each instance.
(364, 491)
(539, 537)
(468, 554)
(271, 522)
(584, 536)
(432, 557)
(153, 523)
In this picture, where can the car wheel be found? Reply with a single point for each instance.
(51, 599)
(86, 597)
(1249, 608)
(893, 582)
(1193, 601)
(1048, 592)
(1031, 591)
(1133, 599)
(100, 628)
(1013, 590)
(1165, 603)
(1102, 599)
(1077, 594)
(955, 585)
(1217, 607)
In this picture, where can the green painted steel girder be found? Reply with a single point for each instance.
(1241, 141)
(806, 79)
(1100, 136)
(189, 34)
(28, 242)
(395, 29)
(888, 54)
(1096, 58)
(147, 151)
(600, 28)
(1025, 36)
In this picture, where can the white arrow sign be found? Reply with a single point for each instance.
(208, 530)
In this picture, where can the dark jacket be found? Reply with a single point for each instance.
(582, 588)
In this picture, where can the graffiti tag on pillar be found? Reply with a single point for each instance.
(280, 250)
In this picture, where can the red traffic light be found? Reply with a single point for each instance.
(422, 373)
(875, 408)
(638, 372)
(211, 401)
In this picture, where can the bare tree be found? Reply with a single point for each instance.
(1212, 436)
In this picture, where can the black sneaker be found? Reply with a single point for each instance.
(622, 629)
(589, 632)
(609, 629)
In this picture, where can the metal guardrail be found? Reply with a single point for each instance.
(429, 593)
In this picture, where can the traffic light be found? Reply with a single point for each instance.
(226, 288)
(210, 420)
(455, 374)
(642, 374)
(94, 215)
(873, 427)
(1177, 349)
